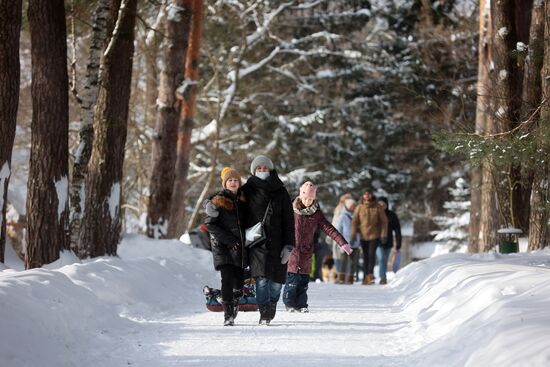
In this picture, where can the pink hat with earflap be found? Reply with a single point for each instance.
(308, 190)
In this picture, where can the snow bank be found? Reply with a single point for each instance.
(145, 308)
(477, 310)
(76, 314)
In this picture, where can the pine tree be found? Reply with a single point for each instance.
(10, 27)
(48, 190)
(453, 230)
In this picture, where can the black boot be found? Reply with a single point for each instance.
(235, 308)
(237, 294)
(228, 310)
(264, 314)
(272, 310)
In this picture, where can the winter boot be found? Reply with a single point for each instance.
(383, 281)
(228, 310)
(264, 314)
(349, 279)
(341, 278)
(369, 279)
(272, 310)
(237, 294)
(235, 308)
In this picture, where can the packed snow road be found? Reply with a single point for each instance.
(348, 325)
(145, 308)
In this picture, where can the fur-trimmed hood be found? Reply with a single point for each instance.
(226, 199)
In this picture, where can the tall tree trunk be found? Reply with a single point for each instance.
(426, 14)
(103, 20)
(176, 226)
(539, 233)
(519, 181)
(531, 99)
(101, 223)
(503, 36)
(150, 52)
(10, 28)
(165, 142)
(48, 191)
(488, 217)
(482, 115)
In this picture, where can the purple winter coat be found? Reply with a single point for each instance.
(306, 222)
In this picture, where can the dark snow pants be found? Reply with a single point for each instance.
(295, 292)
(369, 255)
(232, 281)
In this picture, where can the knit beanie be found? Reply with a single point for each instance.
(308, 190)
(260, 160)
(228, 173)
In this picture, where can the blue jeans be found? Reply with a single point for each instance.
(295, 293)
(267, 291)
(382, 254)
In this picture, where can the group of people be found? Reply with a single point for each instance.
(284, 256)
(369, 226)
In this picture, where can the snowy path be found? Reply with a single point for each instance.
(146, 309)
(347, 326)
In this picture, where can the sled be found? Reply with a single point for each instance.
(247, 303)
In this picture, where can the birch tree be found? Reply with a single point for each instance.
(103, 20)
(100, 231)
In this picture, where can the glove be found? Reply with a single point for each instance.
(347, 249)
(211, 209)
(285, 254)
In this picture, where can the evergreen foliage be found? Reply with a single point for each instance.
(522, 146)
(350, 98)
(454, 224)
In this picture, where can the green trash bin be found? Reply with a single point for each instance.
(509, 243)
(508, 247)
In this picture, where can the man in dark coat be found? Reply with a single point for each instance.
(383, 251)
(268, 261)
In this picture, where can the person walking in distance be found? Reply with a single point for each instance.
(370, 221)
(308, 217)
(383, 251)
(224, 225)
(336, 252)
(268, 261)
(348, 263)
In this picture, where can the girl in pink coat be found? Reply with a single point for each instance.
(307, 218)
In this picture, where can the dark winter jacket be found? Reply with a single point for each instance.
(306, 222)
(226, 230)
(393, 227)
(265, 260)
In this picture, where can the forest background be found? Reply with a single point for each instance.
(349, 93)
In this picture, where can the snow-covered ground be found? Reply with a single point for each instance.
(146, 308)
